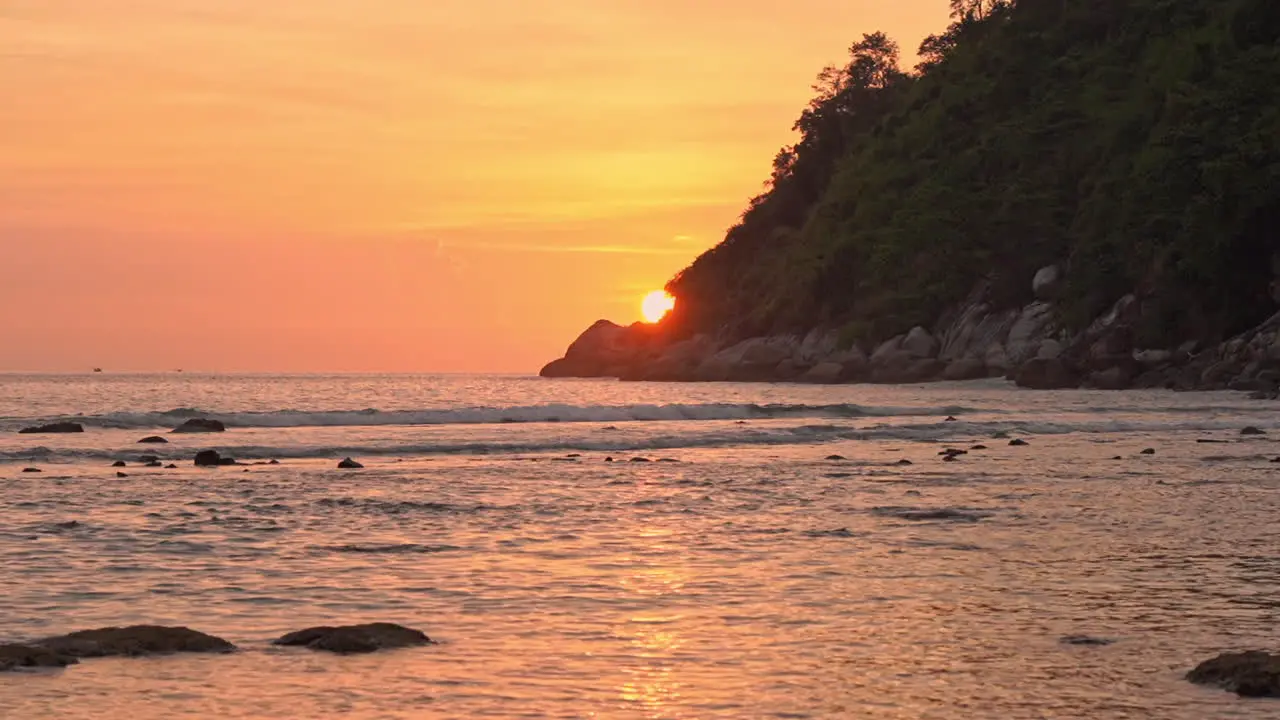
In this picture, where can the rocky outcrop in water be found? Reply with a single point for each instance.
(16, 657)
(135, 641)
(348, 639)
(212, 458)
(156, 439)
(51, 428)
(349, 464)
(200, 425)
(1250, 674)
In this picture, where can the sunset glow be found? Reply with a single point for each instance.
(381, 184)
(656, 305)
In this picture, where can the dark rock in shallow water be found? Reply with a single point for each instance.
(31, 470)
(904, 461)
(1251, 430)
(950, 419)
(273, 461)
(356, 638)
(170, 466)
(349, 464)
(200, 425)
(1148, 451)
(122, 475)
(135, 641)
(153, 463)
(978, 447)
(1018, 442)
(835, 457)
(209, 458)
(58, 427)
(1085, 640)
(1251, 674)
(148, 458)
(640, 459)
(154, 439)
(118, 463)
(13, 657)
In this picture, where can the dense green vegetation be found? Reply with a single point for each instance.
(1135, 141)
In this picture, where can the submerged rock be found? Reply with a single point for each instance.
(118, 463)
(13, 657)
(31, 470)
(349, 464)
(356, 638)
(58, 427)
(1018, 442)
(1085, 640)
(200, 425)
(1148, 451)
(153, 439)
(1251, 430)
(640, 459)
(211, 458)
(122, 475)
(135, 641)
(170, 466)
(1251, 674)
(835, 457)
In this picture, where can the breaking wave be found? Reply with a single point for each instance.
(494, 415)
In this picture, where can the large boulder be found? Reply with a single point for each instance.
(602, 350)
(1049, 349)
(1042, 374)
(201, 425)
(678, 362)
(356, 638)
(920, 344)
(996, 360)
(752, 360)
(826, 373)
(1047, 283)
(134, 641)
(1250, 674)
(1117, 377)
(51, 428)
(904, 369)
(887, 351)
(14, 657)
(965, 369)
(817, 346)
(1032, 325)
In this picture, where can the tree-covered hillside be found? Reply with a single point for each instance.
(1134, 142)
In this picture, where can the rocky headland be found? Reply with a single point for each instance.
(1063, 194)
(970, 341)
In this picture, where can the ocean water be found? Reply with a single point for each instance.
(747, 576)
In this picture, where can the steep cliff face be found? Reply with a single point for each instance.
(1066, 193)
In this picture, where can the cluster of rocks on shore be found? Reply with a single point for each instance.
(145, 640)
(971, 341)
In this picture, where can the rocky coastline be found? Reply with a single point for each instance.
(971, 341)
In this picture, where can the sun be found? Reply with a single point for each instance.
(656, 305)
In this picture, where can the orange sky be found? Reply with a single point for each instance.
(398, 185)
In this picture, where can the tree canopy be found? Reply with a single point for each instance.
(1136, 142)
